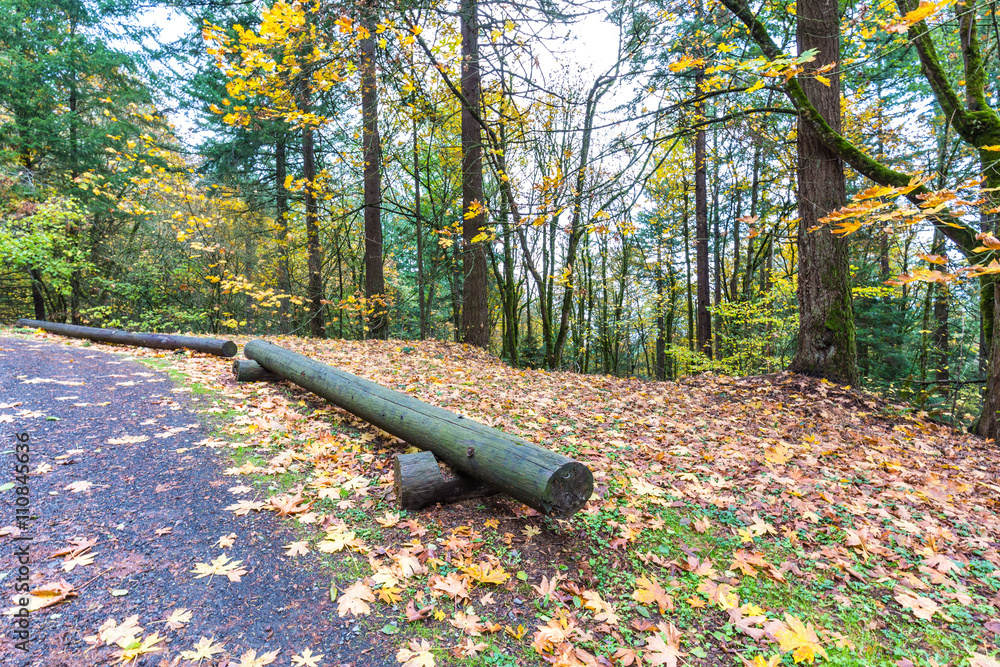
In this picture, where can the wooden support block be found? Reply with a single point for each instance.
(419, 483)
(248, 370)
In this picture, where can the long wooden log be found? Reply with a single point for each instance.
(217, 346)
(419, 483)
(549, 482)
(248, 370)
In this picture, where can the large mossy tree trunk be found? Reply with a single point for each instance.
(826, 338)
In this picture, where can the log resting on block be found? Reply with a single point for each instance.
(248, 370)
(551, 483)
(419, 483)
(217, 346)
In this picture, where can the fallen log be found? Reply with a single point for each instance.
(248, 370)
(419, 483)
(549, 482)
(217, 346)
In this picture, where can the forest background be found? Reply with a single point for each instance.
(744, 188)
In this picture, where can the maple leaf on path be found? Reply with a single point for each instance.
(306, 659)
(487, 573)
(414, 614)
(77, 546)
(454, 586)
(132, 651)
(226, 541)
(417, 654)
(547, 588)
(178, 618)
(980, 660)
(469, 649)
(922, 607)
(649, 591)
(388, 520)
(355, 600)
(245, 507)
(222, 565)
(288, 504)
(203, 649)
(250, 659)
(467, 623)
(336, 541)
(604, 612)
(793, 635)
(50, 594)
(745, 625)
(626, 657)
(664, 648)
(297, 548)
(69, 563)
(78, 487)
(111, 633)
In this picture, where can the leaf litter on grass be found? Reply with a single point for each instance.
(733, 518)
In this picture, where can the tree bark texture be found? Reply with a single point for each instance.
(475, 307)
(701, 231)
(216, 346)
(549, 482)
(374, 277)
(314, 250)
(826, 337)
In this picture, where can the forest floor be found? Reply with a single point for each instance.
(758, 521)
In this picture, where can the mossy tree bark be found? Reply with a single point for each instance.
(826, 338)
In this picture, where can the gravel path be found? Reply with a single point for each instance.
(153, 503)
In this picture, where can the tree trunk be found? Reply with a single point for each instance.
(37, 297)
(281, 213)
(475, 307)
(313, 249)
(417, 220)
(374, 279)
(701, 229)
(826, 338)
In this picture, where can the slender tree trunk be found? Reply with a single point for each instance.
(701, 230)
(314, 251)
(37, 297)
(418, 224)
(378, 325)
(826, 338)
(661, 334)
(687, 267)
(281, 213)
(475, 305)
(601, 86)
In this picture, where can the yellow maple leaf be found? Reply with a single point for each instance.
(799, 638)
(418, 654)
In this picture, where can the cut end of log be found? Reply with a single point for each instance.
(569, 490)
(229, 349)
